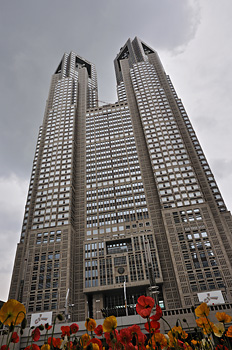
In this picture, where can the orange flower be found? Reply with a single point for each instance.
(180, 331)
(174, 336)
(223, 317)
(90, 324)
(12, 312)
(144, 306)
(206, 325)
(195, 342)
(109, 324)
(159, 341)
(187, 346)
(229, 332)
(172, 339)
(202, 310)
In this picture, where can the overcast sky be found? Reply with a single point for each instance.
(192, 37)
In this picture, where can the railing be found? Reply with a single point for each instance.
(189, 310)
(118, 311)
(121, 310)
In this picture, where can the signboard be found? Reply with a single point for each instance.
(211, 298)
(41, 318)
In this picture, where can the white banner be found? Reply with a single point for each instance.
(211, 298)
(41, 318)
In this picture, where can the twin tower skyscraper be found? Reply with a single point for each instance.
(109, 181)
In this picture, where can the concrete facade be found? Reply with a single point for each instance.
(106, 180)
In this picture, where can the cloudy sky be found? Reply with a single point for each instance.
(192, 37)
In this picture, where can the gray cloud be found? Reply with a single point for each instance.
(38, 33)
(223, 168)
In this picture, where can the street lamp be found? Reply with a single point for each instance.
(97, 311)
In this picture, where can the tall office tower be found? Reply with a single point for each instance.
(119, 193)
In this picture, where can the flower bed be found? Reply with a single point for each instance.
(207, 335)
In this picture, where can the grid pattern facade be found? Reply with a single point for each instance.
(104, 181)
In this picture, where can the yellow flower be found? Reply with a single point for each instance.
(219, 329)
(202, 310)
(90, 324)
(45, 347)
(84, 339)
(95, 346)
(205, 324)
(12, 312)
(223, 317)
(109, 324)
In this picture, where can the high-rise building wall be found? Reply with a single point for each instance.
(106, 181)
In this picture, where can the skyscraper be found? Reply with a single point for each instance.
(108, 181)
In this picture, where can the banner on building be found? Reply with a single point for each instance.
(41, 318)
(211, 298)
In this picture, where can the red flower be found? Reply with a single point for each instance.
(154, 327)
(95, 341)
(4, 347)
(35, 334)
(130, 346)
(47, 327)
(158, 314)
(137, 334)
(51, 341)
(65, 331)
(144, 306)
(98, 330)
(125, 336)
(74, 328)
(221, 347)
(32, 347)
(109, 339)
(135, 329)
(14, 338)
(56, 342)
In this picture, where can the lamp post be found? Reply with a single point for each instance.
(121, 270)
(97, 311)
(66, 306)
